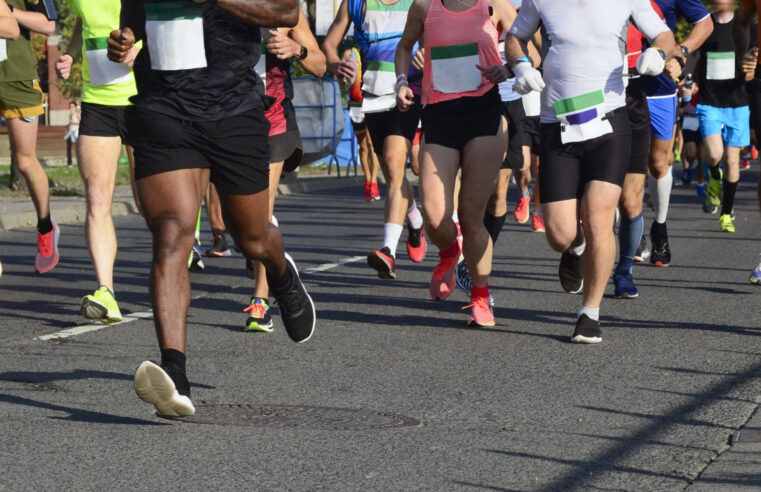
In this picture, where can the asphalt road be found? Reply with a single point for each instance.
(393, 392)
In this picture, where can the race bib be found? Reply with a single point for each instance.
(175, 35)
(691, 122)
(355, 112)
(581, 117)
(454, 68)
(3, 50)
(379, 78)
(720, 65)
(102, 70)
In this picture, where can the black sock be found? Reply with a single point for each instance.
(281, 284)
(494, 225)
(715, 172)
(216, 233)
(658, 231)
(45, 225)
(729, 197)
(173, 358)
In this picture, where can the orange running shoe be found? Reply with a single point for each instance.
(481, 313)
(416, 245)
(521, 210)
(47, 250)
(537, 223)
(442, 281)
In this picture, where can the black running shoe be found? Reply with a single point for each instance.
(660, 254)
(296, 307)
(570, 274)
(587, 331)
(219, 248)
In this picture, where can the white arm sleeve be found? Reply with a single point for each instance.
(527, 22)
(647, 20)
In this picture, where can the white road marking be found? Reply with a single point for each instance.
(78, 330)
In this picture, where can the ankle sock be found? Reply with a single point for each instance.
(453, 250)
(45, 225)
(494, 225)
(715, 172)
(579, 250)
(280, 284)
(391, 235)
(593, 313)
(173, 358)
(414, 216)
(479, 291)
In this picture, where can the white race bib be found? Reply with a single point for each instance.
(454, 68)
(175, 35)
(691, 122)
(720, 65)
(3, 50)
(581, 117)
(379, 78)
(355, 113)
(102, 70)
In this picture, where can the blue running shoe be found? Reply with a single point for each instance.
(701, 190)
(625, 288)
(462, 278)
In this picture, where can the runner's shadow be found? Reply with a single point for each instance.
(31, 377)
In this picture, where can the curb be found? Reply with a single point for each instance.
(76, 212)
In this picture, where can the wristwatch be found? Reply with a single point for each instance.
(302, 54)
(685, 51)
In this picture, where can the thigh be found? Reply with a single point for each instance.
(377, 126)
(515, 115)
(23, 136)
(98, 158)
(559, 172)
(438, 171)
(173, 196)
(606, 158)
(102, 121)
(245, 216)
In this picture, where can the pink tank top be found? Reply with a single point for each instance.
(454, 43)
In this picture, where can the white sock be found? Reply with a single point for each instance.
(660, 193)
(593, 313)
(274, 221)
(414, 216)
(391, 235)
(524, 194)
(579, 250)
(455, 218)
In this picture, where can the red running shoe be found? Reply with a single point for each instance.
(753, 152)
(442, 281)
(374, 192)
(481, 313)
(47, 250)
(521, 210)
(537, 223)
(368, 196)
(382, 262)
(416, 245)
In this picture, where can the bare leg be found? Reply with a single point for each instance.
(262, 289)
(23, 137)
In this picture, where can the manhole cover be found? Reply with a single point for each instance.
(298, 417)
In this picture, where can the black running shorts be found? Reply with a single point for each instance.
(235, 149)
(515, 115)
(567, 168)
(531, 134)
(639, 118)
(393, 122)
(287, 147)
(103, 121)
(455, 123)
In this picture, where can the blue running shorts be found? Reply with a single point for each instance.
(732, 123)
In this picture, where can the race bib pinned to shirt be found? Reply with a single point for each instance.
(102, 70)
(581, 117)
(720, 65)
(454, 68)
(175, 35)
(691, 123)
(379, 78)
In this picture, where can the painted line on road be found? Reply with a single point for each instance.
(78, 330)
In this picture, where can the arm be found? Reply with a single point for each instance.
(413, 29)
(342, 68)
(742, 22)
(264, 13)
(8, 26)
(287, 43)
(698, 35)
(65, 61)
(34, 21)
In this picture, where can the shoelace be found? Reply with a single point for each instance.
(45, 243)
(291, 301)
(256, 310)
(481, 302)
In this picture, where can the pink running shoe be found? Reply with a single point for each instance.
(521, 210)
(47, 250)
(537, 223)
(442, 281)
(481, 313)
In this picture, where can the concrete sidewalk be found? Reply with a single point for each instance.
(19, 212)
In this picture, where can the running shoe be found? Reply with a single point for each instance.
(296, 307)
(643, 252)
(259, 318)
(660, 255)
(521, 209)
(571, 278)
(587, 331)
(416, 245)
(687, 175)
(368, 197)
(744, 164)
(166, 388)
(47, 250)
(537, 223)
(624, 286)
(701, 190)
(755, 275)
(374, 192)
(462, 278)
(101, 306)
(713, 193)
(382, 262)
(753, 152)
(481, 313)
(219, 248)
(725, 223)
(442, 281)
(708, 207)
(195, 262)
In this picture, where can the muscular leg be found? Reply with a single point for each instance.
(214, 210)
(23, 137)
(131, 160)
(262, 289)
(561, 220)
(98, 162)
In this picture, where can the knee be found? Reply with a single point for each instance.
(169, 236)
(98, 199)
(560, 236)
(255, 243)
(598, 224)
(631, 205)
(27, 162)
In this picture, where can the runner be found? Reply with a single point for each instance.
(199, 115)
(377, 27)
(662, 103)
(286, 149)
(464, 129)
(723, 112)
(106, 90)
(72, 131)
(585, 131)
(21, 102)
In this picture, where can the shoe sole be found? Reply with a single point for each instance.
(95, 311)
(381, 266)
(581, 339)
(452, 288)
(756, 281)
(154, 386)
(259, 328)
(219, 254)
(311, 302)
(571, 291)
(628, 296)
(660, 264)
(473, 322)
(521, 221)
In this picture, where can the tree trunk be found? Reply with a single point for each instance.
(17, 181)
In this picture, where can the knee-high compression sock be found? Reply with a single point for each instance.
(494, 225)
(391, 235)
(629, 236)
(414, 216)
(660, 192)
(729, 197)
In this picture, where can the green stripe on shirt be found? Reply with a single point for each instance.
(721, 55)
(164, 11)
(94, 44)
(377, 5)
(380, 66)
(454, 51)
(578, 103)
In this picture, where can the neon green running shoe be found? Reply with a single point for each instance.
(726, 224)
(259, 318)
(101, 306)
(713, 194)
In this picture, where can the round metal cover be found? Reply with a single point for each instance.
(298, 417)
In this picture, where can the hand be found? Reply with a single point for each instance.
(686, 92)
(130, 60)
(120, 43)
(282, 46)
(652, 63)
(404, 97)
(494, 73)
(527, 79)
(673, 69)
(418, 61)
(750, 60)
(345, 69)
(63, 66)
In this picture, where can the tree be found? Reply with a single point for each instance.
(71, 88)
